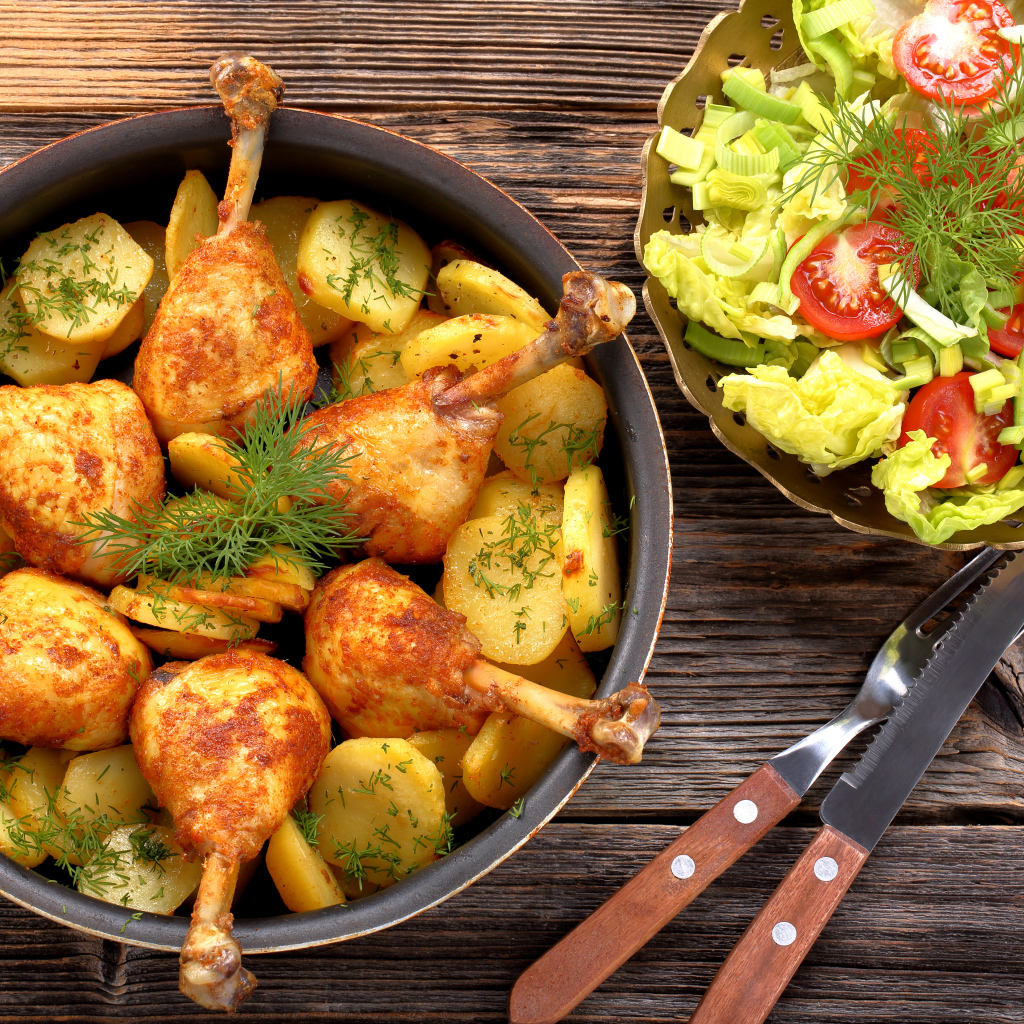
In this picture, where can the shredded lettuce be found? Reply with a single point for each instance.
(831, 418)
(907, 478)
(867, 40)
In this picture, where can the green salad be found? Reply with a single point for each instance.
(861, 264)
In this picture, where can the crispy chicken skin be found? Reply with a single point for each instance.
(69, 665)
(415, 472)
(228, 745)
(65, 452)
(386, 658)
(225, 332)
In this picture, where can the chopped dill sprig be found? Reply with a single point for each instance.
(309, 825)
(526, 549)
(577, 445)
(202, 535)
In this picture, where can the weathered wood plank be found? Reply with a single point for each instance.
(929, 932)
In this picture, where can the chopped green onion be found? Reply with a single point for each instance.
(700, 196)
(993, 317)
(738, 191)
(951, 361)
(817, 23)
(1015, 474)
(758, 101)
(863, 81)
(812, 109)
(904, 351)
(772, 136)
(838, 60)
(917, 372)
(680, 149)
(706, 134)
(723, 350)
(1000, 298)
(984, 384)
(975, 473)
(1011, 435)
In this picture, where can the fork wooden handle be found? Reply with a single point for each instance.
(762, 963)
(598, 946)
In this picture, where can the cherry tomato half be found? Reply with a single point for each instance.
(1009, 339)
(953, 50)
(862, 172)
(837, 285)
(944, 409)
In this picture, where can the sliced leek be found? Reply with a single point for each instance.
(723, 350)
(738, 191)
(680, 149)
(817, 23)
(759, 102)
(838, 60)
(716, 266)
(742, 163)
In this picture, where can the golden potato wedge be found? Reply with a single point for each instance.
(141, 867)
(283, 567)
(504, 575)
(468, 287)
(205, 461)
(502, 494)
(104, 789)
(368, 360)
(153, 238)
(31, 787)
(14, 841)
(216, 597)
(590, 575)
(79, 282)
(31, 357)
(446, 748)
(128, 330)
(302, 878)
(474, 340)
(510, 754)
(363, 265)
(383, 812)
(189, 647)
(194, 213)
(552, 423)
(440, 256)
(288, 595)
(157, 610)
(284, 217)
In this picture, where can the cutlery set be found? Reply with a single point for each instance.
(919, 685)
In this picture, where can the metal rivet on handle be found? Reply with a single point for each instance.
(745, 812)
(783, 934)
(825, 869)
(683, 866)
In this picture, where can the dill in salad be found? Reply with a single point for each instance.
(860, 265)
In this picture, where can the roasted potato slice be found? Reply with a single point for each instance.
(474, 340)
(189, 647)
(468, 287)
(284, 217)
(32, 784)
(141, 866)
(366, 360)
(502, 494)
(163, 612)
(382, 803)
(105, 788)
(206, 462)
(153, 238)
(510, 753)
(552, 423)
(590, 575)
(79, 282)
(446, 748)
(302, 878)
(363, 265)
(15, 843)
(282, 567)
(194, 213)
(440, 256)
(255, 607)
(504, 575)
(31, 357)
(128, 330)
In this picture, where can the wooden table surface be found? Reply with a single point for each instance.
(774, 613)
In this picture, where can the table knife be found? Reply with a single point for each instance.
(599, 945)
(860, 806)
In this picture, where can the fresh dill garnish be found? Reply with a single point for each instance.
(351, 378)
(516, 809)
(149, 848)
(597, 622)
(957, 193)
(508, 775)
(309, 825)
(203, 536)
(579, 447)
(352, 860)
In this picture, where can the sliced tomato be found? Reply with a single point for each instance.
(837, 285)
(953, 50)
(1009, 339)
(862, 173)
(944, 409)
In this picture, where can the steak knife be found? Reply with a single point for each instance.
(860, 806)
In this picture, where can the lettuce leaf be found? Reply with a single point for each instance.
(907, 477)
(831, 418)
(867, 40)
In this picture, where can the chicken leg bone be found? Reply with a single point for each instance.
(211, 961)
(592, 311)
(250, 92)
(616, 727)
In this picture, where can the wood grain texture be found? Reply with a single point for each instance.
(549, 989)
(774, 613)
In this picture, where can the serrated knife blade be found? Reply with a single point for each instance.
(860, 806)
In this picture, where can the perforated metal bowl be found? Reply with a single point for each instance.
(761, 34)
(130, 169)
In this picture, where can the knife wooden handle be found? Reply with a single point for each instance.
(768, 953)
(598, 946)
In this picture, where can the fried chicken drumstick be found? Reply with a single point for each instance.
(386, 658)
(227, 329)
(229, 743)
(420, 451)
